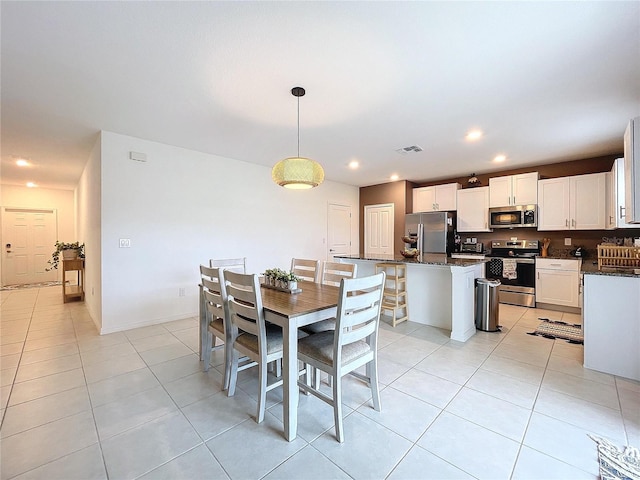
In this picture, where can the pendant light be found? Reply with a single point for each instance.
(297, 172)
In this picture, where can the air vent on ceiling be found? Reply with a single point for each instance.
(412, 148)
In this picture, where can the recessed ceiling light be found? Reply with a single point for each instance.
(353, 164)
(499, 158)
(21, 162)
(394, 177)
(473, 135)
(31, 185)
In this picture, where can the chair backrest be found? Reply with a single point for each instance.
(238, 265)
(215, 296)
(359, 307)
(308, 270)
(333, 272)
(245, 303)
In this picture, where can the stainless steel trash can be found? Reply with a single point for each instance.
(487, 306)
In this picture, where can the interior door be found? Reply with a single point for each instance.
(28, 239)
(338, 230)
(378, 229)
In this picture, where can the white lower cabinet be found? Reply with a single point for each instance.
(558, 282)
(611, 326)
(473, 210)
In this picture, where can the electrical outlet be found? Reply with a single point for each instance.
(567, 242)
(125, 243)
(181, 292)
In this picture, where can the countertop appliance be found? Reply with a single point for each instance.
(471, 248)
(513, 263)
(434, 232)
(513, 217)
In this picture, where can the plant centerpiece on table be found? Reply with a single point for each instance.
(276, 277)
(69, 251)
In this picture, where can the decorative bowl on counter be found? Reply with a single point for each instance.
(406, 239)
(411, 253)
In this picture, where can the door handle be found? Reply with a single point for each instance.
(622, 209)
(331, 250)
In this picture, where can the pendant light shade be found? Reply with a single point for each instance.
(298, 172)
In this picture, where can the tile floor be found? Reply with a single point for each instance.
(135, 404)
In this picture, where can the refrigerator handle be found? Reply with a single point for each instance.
(420, 238)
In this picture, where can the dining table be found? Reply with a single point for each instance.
(314, 303)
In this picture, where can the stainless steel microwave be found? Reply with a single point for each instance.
(513, 217)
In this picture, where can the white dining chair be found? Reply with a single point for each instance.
(238, 265)
(308, 270)
(351, 345)
(333, 272)
(250, 334)
(217, 314)
(206, 342)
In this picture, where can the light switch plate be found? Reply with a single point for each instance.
(567, 242)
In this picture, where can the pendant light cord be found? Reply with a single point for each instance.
(298, 127)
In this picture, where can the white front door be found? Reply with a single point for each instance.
(338, 230)
(28, 239)
(378, 229)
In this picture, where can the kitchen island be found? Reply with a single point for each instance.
(440, 289)
(611, 321)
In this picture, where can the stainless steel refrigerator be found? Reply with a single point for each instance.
(434, 232)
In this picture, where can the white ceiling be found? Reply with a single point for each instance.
(545, 81)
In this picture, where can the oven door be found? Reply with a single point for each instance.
(505, 218)
(519, 290)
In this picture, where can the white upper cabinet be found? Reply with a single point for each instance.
(616, 198)
(438, 198)
(573, 203)
(521, 189)
(473, 210)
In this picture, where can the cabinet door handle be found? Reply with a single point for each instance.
(610, 219)
(566, 222)
(538, 273)
(573, 222)
(514, 200)
(622, 209)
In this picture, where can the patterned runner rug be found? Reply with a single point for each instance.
(30, 285)
(617, 463)
(555, 329)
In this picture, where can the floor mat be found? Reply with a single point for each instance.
(555, 329)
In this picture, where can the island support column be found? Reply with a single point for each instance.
(463, 325)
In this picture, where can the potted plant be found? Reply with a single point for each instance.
(279, 278)
(69, 251)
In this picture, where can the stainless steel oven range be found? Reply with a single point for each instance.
(513, 263)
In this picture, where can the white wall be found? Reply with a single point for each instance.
(182, 208)
(62, 200)
(89, 231)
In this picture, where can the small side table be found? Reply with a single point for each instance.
(73, 292)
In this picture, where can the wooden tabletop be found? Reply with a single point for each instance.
(314, 297)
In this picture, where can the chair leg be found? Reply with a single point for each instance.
(233, 377)
(206, 350)
(262, 395)
(227, 366)
(372, 373)
(337, 408)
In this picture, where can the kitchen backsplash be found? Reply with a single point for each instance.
(588, 239)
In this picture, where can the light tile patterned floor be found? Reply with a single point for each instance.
(137, 405)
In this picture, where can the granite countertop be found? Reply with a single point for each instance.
(429, 259)
(590, 267)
